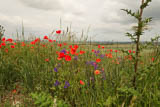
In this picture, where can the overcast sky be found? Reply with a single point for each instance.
(107, 22)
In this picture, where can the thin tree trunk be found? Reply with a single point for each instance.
(137, 46)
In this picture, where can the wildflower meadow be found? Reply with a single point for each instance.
(61, 72)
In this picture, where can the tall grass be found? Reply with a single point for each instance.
(46, 72)
(26, 67)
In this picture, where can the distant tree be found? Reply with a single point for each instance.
(2, 30)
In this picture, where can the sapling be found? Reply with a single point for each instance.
(141, 24)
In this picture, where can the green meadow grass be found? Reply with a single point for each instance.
(38, 76)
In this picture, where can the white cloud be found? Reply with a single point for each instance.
(107, 21)
(42, 4)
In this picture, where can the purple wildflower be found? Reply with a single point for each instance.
(94, 64)
(66, 84)
(76, 58)
(55, 69)
(98, 51)
(64, 51)
(56, 83)
(95, 67)
(102, 56)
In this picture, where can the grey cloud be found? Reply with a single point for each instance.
(107, 21)
(153, 10)
(12, 27)
(131, 3)
(124, 19)
(42, 4)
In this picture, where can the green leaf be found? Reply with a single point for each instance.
(145, 4)
(136, 15)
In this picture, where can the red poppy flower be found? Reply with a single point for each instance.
(10, 40)
(152, 59)
(103, 47)
(47, 60)
(76, 54)
(129, 57)
(81, 52)
(98, 60)
(14, 91)
(58, 31)
(61, 55)
(129, 51)
(67, 52)
(22, 44)
(64, 44)
(37, 39)
(96, 72)
(0, 46)
(3, 44)
(116, 51)
(3, 39)
(76, 46)
(81, 82)
(50, 40)
(45, 37)
(102, 69)
(67, 58)
(43, 45)
(59, 58)
(60, 45)
(99, 46)
(109, 55)
(117, 62)
(70, 46)
(12, 46)
(33, 42)
(6, 50)
(73, 51)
